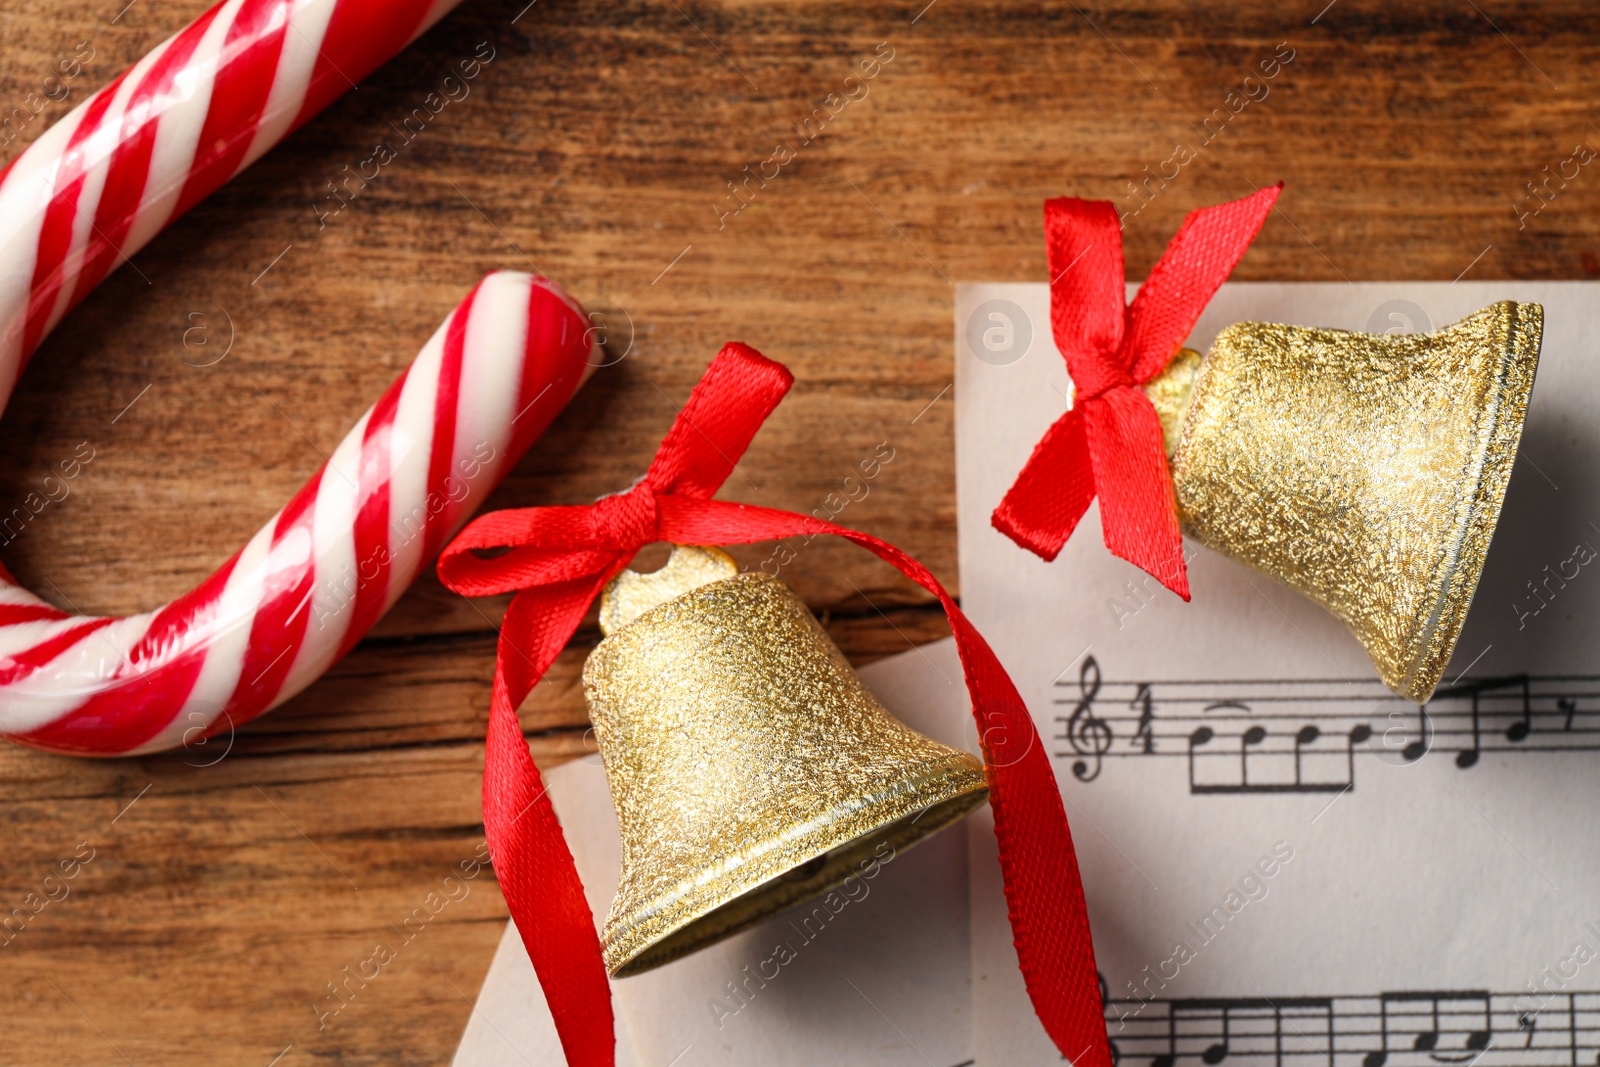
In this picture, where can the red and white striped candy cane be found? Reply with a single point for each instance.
(89, 193)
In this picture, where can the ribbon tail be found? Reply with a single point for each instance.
(1198, 260)
(1043, 887)
(728, 405)
(531, 859)
(1046, 502)
(1083, 242)
(1038, 863)
(1044, 890)
(1138, 511)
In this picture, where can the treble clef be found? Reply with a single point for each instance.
(1090, 736)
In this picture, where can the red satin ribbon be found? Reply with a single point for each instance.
(1109, 444)
(559, 558)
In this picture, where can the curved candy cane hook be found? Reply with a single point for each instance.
(89, 193)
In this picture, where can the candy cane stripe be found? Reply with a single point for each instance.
(360, 35)
(445, 405)
(11, 615)
(27, 660)
(56, 229)
(304, 26)
(279, 626)
(372, 519)
(183, 79)
(91, 191)
(128, 168)
(239, 93)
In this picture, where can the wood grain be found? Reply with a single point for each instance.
(596, 147)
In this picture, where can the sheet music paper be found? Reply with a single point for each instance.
(884, 980)
(1283, 862)
(510, 1024)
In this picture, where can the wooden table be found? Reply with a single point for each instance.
(597, 147)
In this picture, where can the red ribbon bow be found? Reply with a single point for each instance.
(1109, 443)
(558, 560)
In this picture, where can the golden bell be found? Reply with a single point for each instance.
(1366, 472)
(750, 767)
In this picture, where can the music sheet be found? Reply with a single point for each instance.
(1284, 863)
(882, 980)
(510, 1025)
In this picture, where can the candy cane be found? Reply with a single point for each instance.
(89, 193)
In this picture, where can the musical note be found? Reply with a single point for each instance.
(1216, 1052)
(1519, 731)
(1418, 748)
(1427, 1040)
(1468, 757)
(1307, 735)
(1272, 735)
(1202, 736)
(1258, 744)
(1253, 736)
(1393, 1029)
(1239, 1031)
(1516, 733)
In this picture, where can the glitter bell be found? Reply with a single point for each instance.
(1366, 472)
(751, 768)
